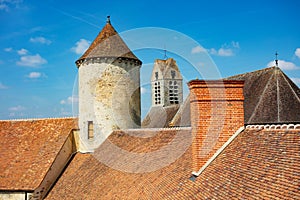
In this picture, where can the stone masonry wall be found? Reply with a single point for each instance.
(109, 96)
(217, 112)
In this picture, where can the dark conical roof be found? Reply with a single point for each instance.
(108, 44)
(270, 97)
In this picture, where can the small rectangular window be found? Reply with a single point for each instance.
(173, 74)
(90, 130)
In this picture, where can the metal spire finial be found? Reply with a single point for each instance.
(165, 51)
(276, 60)
(108, 19)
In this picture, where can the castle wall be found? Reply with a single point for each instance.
(109, 98)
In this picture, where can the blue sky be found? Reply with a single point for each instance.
(41, 40)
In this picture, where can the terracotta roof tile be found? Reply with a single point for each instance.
(258, 164)
(108, 44)
(28, 148)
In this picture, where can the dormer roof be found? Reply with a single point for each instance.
(108, 44)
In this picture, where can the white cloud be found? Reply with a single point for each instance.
(31, 61)
(81, 46)
(63, 102)
(225, 52)
(198, 49)
(17, 108)
(2, 86)
(6, 4)
(226, 49)
(8, 49)
(41, 40)
(22, 52)
(296, 80)
(235, 44)
(284, 65)
(297, 52)
(143, 90)
(69, 100)
(213, 51)
(3, 6)
(34, 75)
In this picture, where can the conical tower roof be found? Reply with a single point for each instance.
(270, 97)
(108, 44)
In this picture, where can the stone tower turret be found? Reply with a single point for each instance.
(166, 82)
(109, 88)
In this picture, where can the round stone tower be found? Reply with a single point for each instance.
(109, 89)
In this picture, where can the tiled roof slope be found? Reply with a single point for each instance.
(258, 164)
(270, 97)
(108, 44)
(159, 116)
(28, 148)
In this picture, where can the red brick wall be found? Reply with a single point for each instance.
(217, 112)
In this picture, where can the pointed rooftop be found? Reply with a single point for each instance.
(270, 97)
(108, 44)
(165, 65)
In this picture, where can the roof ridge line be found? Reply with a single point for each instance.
(278, 95)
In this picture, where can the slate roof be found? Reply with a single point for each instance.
(258, 164)
(28, 148)
(108, 44)
(270, 97)
(159, 116)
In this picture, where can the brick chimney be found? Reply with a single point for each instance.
(217, 112)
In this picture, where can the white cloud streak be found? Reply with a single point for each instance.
(296, 80)
(6, 4)
(225, 50)
(22, 52)
(8, 49)
(2, 86)
(297, 52)
(17, 108)
(34, 75)
(198, 49)
(69, 100)
(40, 40)
(81, 46)
(143, 90)
(222, 52)
(284, 65)
(31, 61)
